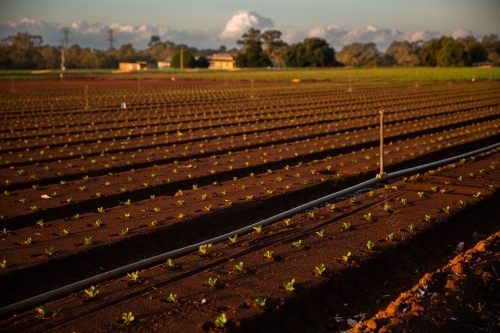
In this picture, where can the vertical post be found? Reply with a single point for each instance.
(182, 57)
(382, 173)
(350, 86)
(251, 96)
(86, 97)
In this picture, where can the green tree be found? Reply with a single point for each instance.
(273, 46)
(404, 54)
(202, 62)
(252, 53)
(362, 55)
(452, 54)
(312, 52)
(21, 51)
(188, 60)
(51, 57)
(491, 43)
(429, 51)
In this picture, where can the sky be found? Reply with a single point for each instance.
(212, 23)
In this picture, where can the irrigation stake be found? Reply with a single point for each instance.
(252, 89)
(382, 173)
(86, 97)
(350, 86)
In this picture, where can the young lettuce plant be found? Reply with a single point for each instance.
(172, 298)
(370, 245)
(233, 239)
(346, 256)
(50, 251)
(321, 233)
(221, 320)
(368, 217)
(87, 241)
(92, 292)
(239, 267)
(203, 249)
(128, 317)
(427, 218)
(268, 255)
(346, 225)
(288, 285)
(258, 229)
(211, 282)
(298, 243)
(42, 310)
(320, 269)
(260, 301)
(134, 276)
(170, 262)
(391, 236)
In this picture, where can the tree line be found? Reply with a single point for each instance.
(256, 49)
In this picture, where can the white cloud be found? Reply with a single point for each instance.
(459, 32)
(242, 21)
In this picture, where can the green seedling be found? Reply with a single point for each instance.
(233, 239)
(371, 193)
(310, 215)
(402, 201)
(221, 320)
(368, 216)
(460, 178)
(477, 195)
(208, 208)
(391, 236)
(50, 251)
(411, 226)
(421, 194)
(298, 243)
(5, 231)
(370, 245)
(27, 242)
(491, 187)
(268, 255)
(172, 298)
(446, 209)
(346, 256)
(88, 241)
(97, 223)
(127, 317)
(260, 301)
(181, 216)
(353, 200)
(321, 233)
(92, 292)
(386, 208)
(203, 249)
(427, 218)
(153, 223)
(127, 215)
(258, 229)
(333, 207)
(42, 310)
(239, 266)
(320, 269)
(77, 217)
(211, 282)
(3, 263)
(134, 276)
(434, 189)
(40, 223)
(463, 203)
(100, 210)
(289, 285)
(125, 231)
(34, 208)
(170, 262)
(288, 223)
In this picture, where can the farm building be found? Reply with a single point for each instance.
(133, 66)
(221, 61)
(165, 63)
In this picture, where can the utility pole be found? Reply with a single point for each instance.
(110, 38)
(182, 57)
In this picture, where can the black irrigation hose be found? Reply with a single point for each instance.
(118, 272)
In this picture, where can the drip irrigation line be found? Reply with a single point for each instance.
(121, 271)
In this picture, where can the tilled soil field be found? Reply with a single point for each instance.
(87, 191)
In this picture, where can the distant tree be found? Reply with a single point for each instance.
(452, 54)
(187, 57)
(273, 45)
(404, 54)
(21, 51)
(51, 57)
(222, 49)
(475, 51)
(154, 40)
(252, 53)
(429, 51)
(491, 43)
(362, 55)
(312, 52)
(127, 53)
(202, 62)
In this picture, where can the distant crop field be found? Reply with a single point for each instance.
(419, 74)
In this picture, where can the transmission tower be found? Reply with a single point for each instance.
(110, 38)
(64, 45)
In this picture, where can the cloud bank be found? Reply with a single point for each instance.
(95, 35)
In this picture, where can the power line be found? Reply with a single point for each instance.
(110, 38)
